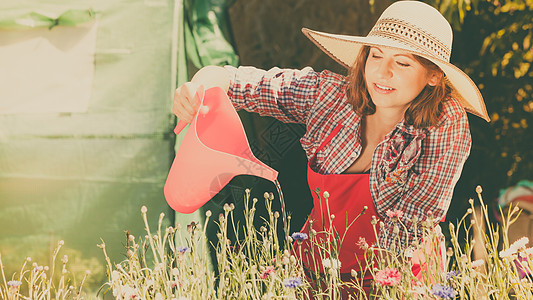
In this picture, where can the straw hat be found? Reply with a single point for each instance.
(414, 27)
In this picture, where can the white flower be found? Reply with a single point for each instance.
(128, 292)
(507, 252)
(115, 275)
(409, 252)
(478, 263)
(419, 289)
(520, 243)
(331, 263)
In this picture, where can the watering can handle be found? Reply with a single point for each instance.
(181, 124)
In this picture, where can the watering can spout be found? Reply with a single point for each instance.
(214, 150)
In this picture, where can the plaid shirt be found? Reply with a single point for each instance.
(413, 170)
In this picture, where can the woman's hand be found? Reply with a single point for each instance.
(185, 103)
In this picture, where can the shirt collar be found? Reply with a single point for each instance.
(410, 129)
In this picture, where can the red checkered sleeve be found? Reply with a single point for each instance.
(429, 189)
(284, 94)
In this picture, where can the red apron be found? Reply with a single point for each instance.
(348, 194)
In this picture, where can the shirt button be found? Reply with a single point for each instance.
(353, 154)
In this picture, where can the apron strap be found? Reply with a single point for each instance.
(330, 136)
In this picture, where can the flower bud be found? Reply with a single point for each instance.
(479, 189)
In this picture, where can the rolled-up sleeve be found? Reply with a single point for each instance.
(284, 94)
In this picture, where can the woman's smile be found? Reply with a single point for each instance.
(383, 89)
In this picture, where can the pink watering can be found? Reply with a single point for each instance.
(214, 150)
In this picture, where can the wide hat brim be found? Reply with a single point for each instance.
(344, 49)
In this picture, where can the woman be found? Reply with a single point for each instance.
(391, 137)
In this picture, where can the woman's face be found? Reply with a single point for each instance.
(394, 78)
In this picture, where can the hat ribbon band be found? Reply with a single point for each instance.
(412, 36)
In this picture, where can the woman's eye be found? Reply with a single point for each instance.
(375, 56)
(403, 64)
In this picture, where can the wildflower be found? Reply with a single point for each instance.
(267, 271)
(452, 274)
(442, 291)
(173, 283)
(144, 209)
(479, 190)
(449, 251)
(394, 214)
(477, 263)
(520, 243)
(353, 273)
(506, 253)
(374, 220)
(253, 269)
(115, 275)
(64, 259)
(299, 236)
(395, 229)
(522, 267)
(331, 263)
(362, 244)
(409, 252)
(326, 194)
(14, 283)
(388, 277)
(419, 289)
(129, 292)
(208, 213)
(183, 249)
(293, 259)
(292, 282)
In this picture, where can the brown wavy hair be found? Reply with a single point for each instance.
(424, 110)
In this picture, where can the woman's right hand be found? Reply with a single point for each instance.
(185, 103)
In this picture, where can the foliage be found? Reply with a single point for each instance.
(172, 265)
(42, 282)
(492, 43)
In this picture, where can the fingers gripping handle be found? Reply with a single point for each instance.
(200, 97)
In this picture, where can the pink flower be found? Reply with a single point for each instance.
(362, 244)
(394, 214)
(388, 277)
(268, 270)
